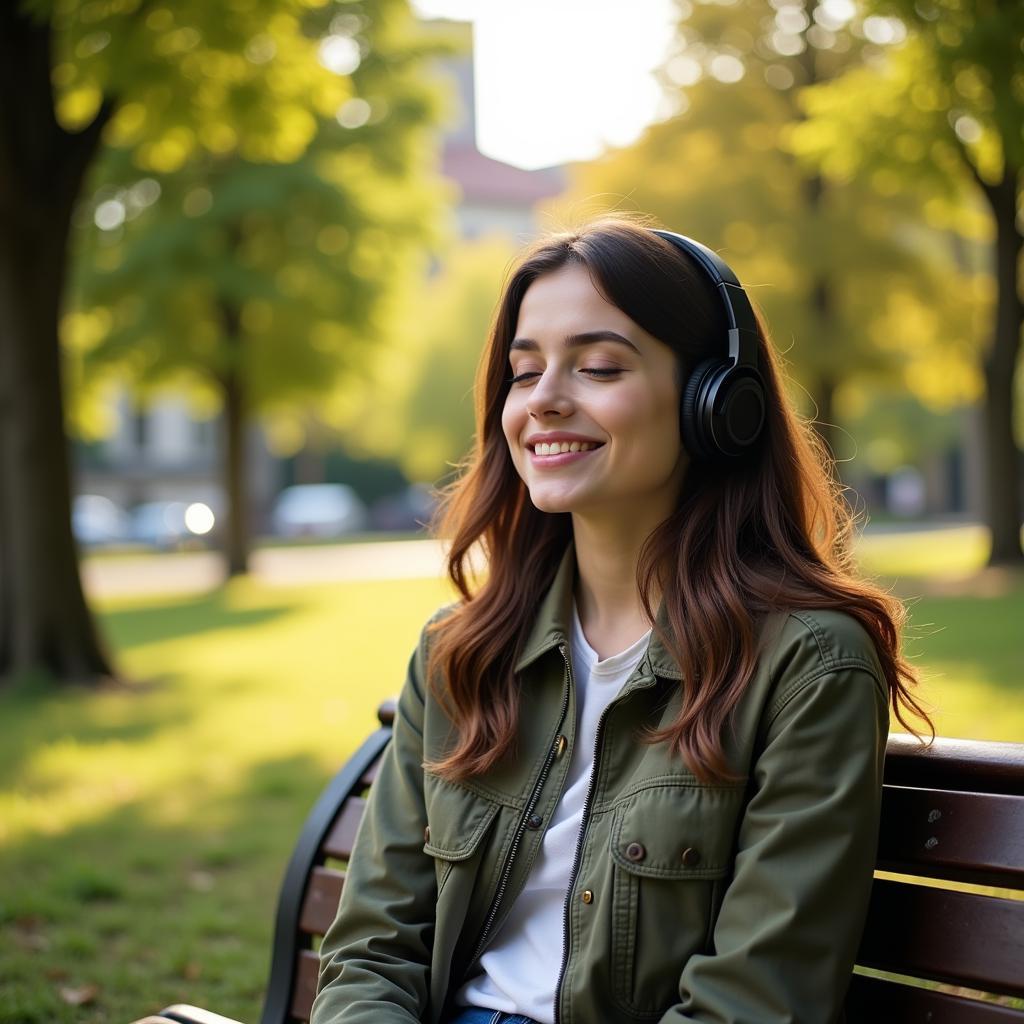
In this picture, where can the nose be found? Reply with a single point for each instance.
(549, 397)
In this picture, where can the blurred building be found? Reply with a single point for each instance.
(495, 196)
(163, 453)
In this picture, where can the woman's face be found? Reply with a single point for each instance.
(586, 375)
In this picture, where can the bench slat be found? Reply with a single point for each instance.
(307, 968)
(953, 937)
(343, 832)
(967, 837)
(370, 774)
(874, 999)
(970, 765)
(320, 906)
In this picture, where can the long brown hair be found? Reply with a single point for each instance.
(768, 531)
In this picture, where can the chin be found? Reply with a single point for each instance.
(552, 502)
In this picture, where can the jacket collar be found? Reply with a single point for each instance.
(551, 625)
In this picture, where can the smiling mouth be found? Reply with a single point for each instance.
(563, 447)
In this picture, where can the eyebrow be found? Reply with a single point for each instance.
(575, 340)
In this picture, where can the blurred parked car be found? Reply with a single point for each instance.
(96, 521)
(410, 509)
(318, 510)
(171, 524)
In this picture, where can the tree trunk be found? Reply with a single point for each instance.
(45, 624)
(823, 387)
(824, 394)
(1002, 464)
(236, 547)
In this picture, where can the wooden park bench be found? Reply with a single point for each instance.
(951, 814)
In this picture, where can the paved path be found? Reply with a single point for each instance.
(203, 570)
(105, 576)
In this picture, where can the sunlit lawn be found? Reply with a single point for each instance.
(143, 833)
(965, 627)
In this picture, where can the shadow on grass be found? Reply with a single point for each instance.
(136, 913)
(35, 710)
(36, 714)
(157, 621)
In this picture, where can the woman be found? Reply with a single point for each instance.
(636, 770)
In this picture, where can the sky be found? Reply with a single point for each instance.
(557, 80)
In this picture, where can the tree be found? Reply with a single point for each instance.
(719, 169)
(940, 117)
(172, 82)
(256, 284)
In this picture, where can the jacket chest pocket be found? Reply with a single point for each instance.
(458, 819)
(672, 856)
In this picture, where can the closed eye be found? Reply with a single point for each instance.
(594, 371)
(523, 376)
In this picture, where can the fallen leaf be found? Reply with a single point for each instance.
(80, 995)
(191, 971)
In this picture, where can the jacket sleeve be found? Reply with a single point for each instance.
(791, 918)
(375, 957)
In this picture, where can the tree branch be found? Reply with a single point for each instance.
(971, 166)
(78, 149)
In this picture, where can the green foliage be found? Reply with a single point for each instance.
(937, 118)
(265, 200)
(902, 126)
(889, 428)
(975, 75)
(415, 401)
(191, 76)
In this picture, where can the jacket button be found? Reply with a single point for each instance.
(560, 745)
(690, 856)
(534, 821)
(587, 896)
(636, 851)
(426, 834)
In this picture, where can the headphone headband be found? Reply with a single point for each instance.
(742, 326)
(722, 408)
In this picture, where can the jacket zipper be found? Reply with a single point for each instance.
(591, 785)
(506, 871)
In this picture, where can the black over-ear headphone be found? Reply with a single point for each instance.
(723, 401)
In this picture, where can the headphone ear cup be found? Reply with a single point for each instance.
(693, 425)
(722, 410)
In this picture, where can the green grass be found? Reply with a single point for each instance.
(951, 553)
(143, 832)
(964, 628)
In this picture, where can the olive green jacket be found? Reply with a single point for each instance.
(733, 904)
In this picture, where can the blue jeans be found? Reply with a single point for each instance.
(479, 1015)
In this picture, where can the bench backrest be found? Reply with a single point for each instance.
(952, 821)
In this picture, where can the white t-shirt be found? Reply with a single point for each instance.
(519, 970)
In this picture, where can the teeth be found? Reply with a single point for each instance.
(560, 448)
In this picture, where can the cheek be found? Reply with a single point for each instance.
(657, 432)
(511, 422)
